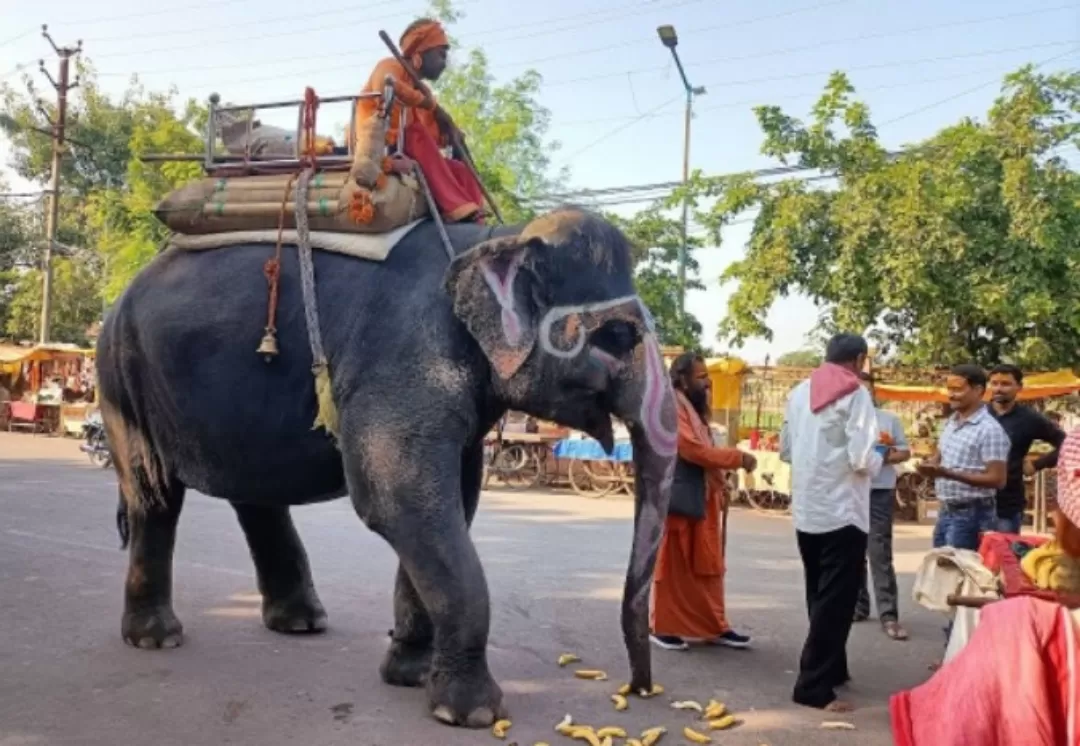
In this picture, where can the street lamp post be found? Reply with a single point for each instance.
(670, 39)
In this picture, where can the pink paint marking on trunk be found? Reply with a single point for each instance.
(657, 401)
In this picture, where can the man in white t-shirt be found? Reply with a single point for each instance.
(829, 433)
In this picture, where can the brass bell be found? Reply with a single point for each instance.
(268, 346)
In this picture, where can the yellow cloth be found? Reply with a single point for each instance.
(1051, 569)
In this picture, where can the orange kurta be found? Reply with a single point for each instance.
(408, 99)
(453, 186)
(688, 588)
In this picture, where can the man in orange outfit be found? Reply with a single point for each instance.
(688, 587)
(427, 126)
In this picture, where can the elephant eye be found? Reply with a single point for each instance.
(615, 337)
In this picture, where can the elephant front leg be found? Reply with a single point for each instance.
(408, 659)
(423, 517)
(149, 621)
(290, 604)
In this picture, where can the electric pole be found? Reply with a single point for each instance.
(62, 85)
(670, 39)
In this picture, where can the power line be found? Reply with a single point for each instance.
(17, 37)
(652, 112)
(290, 17)
(339, 25)
(96, 20)
(966, 92)
(816, 93)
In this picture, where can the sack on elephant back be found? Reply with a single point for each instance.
(367, 199)
(335, 203)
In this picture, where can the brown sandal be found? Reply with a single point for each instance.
(894, 630)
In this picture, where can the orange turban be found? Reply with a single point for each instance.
(421, 38)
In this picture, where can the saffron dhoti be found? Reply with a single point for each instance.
(456, 191)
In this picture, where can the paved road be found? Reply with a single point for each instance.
(554, 564)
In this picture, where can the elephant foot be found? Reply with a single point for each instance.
(471, 699)
(301, 613)
(406, 665)
(152, 628)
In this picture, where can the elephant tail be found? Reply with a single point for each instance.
(126, 396)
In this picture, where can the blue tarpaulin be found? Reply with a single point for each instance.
(591, 450)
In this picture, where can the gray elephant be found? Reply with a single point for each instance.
(424, 359)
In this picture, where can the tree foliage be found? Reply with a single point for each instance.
(656, 239)
(505, 125)
(805, 358)
(964, 248)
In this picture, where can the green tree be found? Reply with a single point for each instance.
(963, 248)
(76, 302)
(107, 193)
(505, 125)
(15, 251)
(806, 358)
(656, 239)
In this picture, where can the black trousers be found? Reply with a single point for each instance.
(833, 566)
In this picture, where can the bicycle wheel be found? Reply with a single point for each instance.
(528, 474)
(627, 478)
(583, 481)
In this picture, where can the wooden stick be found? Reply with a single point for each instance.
(457, 140)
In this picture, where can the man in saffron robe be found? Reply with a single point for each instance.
(688, 586)
(427, 126)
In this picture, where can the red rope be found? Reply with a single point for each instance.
(272, 268)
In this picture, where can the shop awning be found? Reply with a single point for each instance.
(1036, 386)
(13, 357)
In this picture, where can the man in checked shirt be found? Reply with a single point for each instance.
(969, 465)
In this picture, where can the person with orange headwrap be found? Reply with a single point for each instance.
(427, 126)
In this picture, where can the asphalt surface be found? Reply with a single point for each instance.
(554, 565)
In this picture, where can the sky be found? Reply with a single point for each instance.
(615, 97)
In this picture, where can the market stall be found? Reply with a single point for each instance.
(45, 388)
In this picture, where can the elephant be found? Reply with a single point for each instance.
(426, 353)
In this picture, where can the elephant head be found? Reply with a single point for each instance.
(555, 311)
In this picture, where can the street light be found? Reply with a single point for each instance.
(670, 39)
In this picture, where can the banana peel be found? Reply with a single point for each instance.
(500, 728)
(591, 675)
(611, 732)
(722, 723)
(651, 736)
(692, 735)
(586, 734)
(715, 709)
(687, 705)
(567, 658)
(620, 702)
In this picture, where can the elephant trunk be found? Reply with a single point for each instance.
(648, 405)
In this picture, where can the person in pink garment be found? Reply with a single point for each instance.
(1017, 681)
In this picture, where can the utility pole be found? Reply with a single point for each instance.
(62, 85)
(670, 39)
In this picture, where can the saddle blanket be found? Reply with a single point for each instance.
(374, 247)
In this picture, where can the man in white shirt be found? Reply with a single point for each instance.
(829, 433)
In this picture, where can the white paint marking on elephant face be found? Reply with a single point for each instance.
(558, 313)
(502, 286)
(658, 402)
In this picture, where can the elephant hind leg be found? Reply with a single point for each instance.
(290, 604)
(149, 621)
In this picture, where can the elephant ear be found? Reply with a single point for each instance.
(493, 299)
